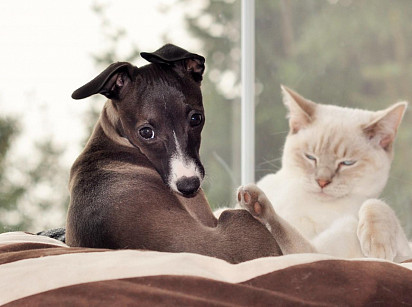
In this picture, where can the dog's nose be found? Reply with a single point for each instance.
(188, 185)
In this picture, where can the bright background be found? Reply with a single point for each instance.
(350, 53)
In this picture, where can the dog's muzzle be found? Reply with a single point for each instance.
(185, 174)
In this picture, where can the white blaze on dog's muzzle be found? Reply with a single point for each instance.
(185, 177)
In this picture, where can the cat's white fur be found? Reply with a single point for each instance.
(344, 217)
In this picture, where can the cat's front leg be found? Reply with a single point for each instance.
(290, 241)
(380, 233)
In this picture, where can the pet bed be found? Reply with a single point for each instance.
(40, 271)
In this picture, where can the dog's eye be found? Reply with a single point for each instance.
(147, 133)
(196, 119)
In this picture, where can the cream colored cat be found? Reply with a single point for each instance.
(335, 164)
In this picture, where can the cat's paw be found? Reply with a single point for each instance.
(377, 230)
(254, 200)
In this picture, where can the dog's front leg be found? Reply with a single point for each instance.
(290, 241)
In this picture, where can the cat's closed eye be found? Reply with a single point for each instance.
(347, 163)
(310, 157)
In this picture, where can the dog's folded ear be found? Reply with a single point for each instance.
(172, 55)
(109, 82)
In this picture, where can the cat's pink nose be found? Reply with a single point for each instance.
(323, 182)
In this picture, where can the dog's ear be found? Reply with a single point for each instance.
(172, 55)
(109, 82)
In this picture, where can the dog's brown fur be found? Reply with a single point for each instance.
(120, 197)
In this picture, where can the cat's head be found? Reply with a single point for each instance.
(338, 152)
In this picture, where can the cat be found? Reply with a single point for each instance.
(335, 164)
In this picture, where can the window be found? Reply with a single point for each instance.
(343, 52)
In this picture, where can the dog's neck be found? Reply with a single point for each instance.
(111, 125)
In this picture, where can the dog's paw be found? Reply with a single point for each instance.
(377, 230)
(254, 200)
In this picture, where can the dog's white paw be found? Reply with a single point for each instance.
(377, 230)
(254, 200)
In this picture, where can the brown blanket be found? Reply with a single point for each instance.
(39, 271)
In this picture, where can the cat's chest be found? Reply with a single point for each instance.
(309, 215)
(309, 218)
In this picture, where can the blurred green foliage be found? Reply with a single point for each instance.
(31, 189)
(9, 192)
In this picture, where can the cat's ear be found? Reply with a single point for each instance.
(384, 126)
(301, 110)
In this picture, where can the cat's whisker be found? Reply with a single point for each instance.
(280, 132)
(272, 165)
(399, 179)
(267, 169)
(271, 162)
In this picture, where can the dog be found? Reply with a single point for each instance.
(137, 183)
